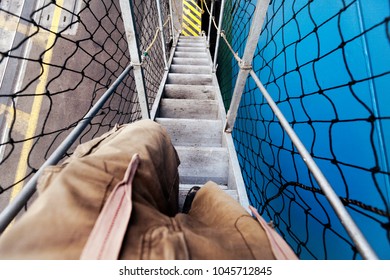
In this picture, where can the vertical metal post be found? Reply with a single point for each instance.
(210, 22)
(128, 21)
(218, 35)
(171, 15)
(160, 20)
(246, 61)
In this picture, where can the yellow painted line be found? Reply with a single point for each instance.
(187, 28)
(196, 19)
(188, 21)
(13, 25)
(21, 118)
(37, 102)
(192, 8)
(185, 33)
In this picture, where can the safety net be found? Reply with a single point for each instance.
(327, 66)
(57, 59)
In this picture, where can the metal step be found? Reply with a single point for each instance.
(191, 49)
(188, 43)
(189, 91)
(191, 54)
(193, 117)
(190, 79)
(190, 61)
(188, 109)
(192, 44)
(190, 69)
(192, 38)
(202, 164)
(193, 132)
(184, 188)
(187, 187)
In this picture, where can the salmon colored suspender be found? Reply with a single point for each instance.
(106, 238)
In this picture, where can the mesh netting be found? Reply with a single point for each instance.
(63, 57)
(327, 66)
(236, 21)
(147, 24)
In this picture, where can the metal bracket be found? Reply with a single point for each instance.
(244, 66)
(136, 64)
(131, 35)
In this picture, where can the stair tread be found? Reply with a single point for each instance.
(189, 79)
(193, 132)
(202, 164)
(189, 75)
(187, 187)
(178, 91)
(190, 61)
(190, 69)
(192, 42)
(184, 190)
(191, 54)
(186, 48)
(188, 109)
(196, 38)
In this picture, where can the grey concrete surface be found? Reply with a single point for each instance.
(84, 60)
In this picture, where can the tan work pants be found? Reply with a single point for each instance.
(72, 195)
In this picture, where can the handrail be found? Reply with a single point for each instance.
(245, 64)
(350, 226)
(136, 64)
(218, 35)
(10, 212)
(211, 17)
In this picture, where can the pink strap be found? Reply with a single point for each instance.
(105, 240)
(281, 250)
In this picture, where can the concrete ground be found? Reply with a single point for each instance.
(45, 94)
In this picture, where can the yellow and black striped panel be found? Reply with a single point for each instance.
(192, 18)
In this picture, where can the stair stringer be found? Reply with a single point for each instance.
(235, 179)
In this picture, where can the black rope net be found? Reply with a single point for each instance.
(61, 57)
(147, 24)
(327, 67)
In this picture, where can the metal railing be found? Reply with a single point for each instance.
(262, 72)
(246, 81)
(110, 35)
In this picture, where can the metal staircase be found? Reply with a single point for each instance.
(192, 111)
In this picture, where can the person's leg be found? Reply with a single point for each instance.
(58, 223)
(218, 227)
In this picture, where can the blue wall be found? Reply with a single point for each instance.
(327, 65)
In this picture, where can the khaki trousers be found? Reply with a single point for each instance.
(72, 195)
